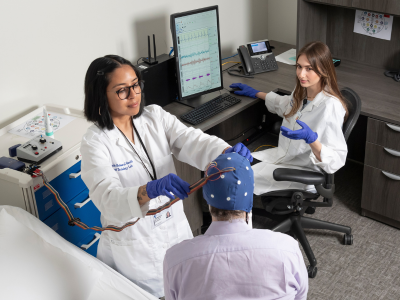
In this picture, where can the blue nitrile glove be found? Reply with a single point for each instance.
(245, 90)
(241, 149)
(301, 134)
(166, 185)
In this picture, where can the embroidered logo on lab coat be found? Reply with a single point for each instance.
(123, 166)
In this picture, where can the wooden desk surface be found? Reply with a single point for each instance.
(380, 95)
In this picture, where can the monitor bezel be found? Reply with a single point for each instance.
(176, 51)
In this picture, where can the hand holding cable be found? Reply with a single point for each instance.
(169, 186)
(245, 90)
(301, 134)
(242, 150)
(72, 221)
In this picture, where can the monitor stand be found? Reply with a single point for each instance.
(200, 100)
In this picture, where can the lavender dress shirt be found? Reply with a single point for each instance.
(232, 261)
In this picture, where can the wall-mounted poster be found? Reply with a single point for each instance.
(374, 24)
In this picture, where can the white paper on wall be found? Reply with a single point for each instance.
(373, 24)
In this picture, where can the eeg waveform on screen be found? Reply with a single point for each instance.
(197, 39)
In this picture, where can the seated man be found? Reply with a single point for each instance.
(231, 260)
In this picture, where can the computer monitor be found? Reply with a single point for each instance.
(197, 51)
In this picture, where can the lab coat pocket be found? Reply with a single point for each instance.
(135, 258)
(164, 166)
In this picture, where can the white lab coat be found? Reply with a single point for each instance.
(324, 115)
(113, 174)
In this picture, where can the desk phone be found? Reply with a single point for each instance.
(257, 57)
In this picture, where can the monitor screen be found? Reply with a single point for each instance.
(197, 49)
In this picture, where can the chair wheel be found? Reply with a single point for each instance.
(310, 210)
(312, 271)
(348, 239)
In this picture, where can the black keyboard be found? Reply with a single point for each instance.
(209, 109)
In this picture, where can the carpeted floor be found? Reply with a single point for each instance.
(368, 269)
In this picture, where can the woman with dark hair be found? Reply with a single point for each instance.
(311, 136)
(128, 168)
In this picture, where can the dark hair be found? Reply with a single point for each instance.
(96, 82)
(225, 215)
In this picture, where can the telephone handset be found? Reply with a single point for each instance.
(256, 58)
(245, 59)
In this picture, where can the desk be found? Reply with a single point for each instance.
(380, 97)
(283, 78)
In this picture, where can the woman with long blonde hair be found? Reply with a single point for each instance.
(311, 134)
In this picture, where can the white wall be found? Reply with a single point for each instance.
(46, 46)
(282, 20)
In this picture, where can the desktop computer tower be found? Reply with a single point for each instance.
(160, 85)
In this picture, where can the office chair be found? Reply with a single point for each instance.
(289, 206)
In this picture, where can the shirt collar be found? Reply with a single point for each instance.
(316, 102)
(227, 227)
(115, 134)
(318, 99)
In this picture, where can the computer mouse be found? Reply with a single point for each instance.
(232, 90)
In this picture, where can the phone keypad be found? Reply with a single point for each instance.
(266, 64)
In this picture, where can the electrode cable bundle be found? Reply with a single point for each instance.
(35, 171)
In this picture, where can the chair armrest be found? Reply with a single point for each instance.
(294, 175)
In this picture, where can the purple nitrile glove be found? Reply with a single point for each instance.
(301, 134)
(166, 185)
(241, 149)
(245, 90)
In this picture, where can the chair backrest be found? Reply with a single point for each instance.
(354, 107)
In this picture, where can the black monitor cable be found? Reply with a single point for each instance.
(227, 69)
(238, 71)
(394, 74)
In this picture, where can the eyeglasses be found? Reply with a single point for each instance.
(126, 91)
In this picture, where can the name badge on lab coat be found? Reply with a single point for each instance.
(162, 217)
(298, 115)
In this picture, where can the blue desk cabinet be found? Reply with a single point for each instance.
(89, 243)
(87, 213)
(67, 187)
(62, 169)
(75, 194)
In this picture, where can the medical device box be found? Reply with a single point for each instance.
(62, 169)
(38, 149)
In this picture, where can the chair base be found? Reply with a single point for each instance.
(296, 225)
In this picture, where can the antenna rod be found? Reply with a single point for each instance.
(154, 46)
(148, 40)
